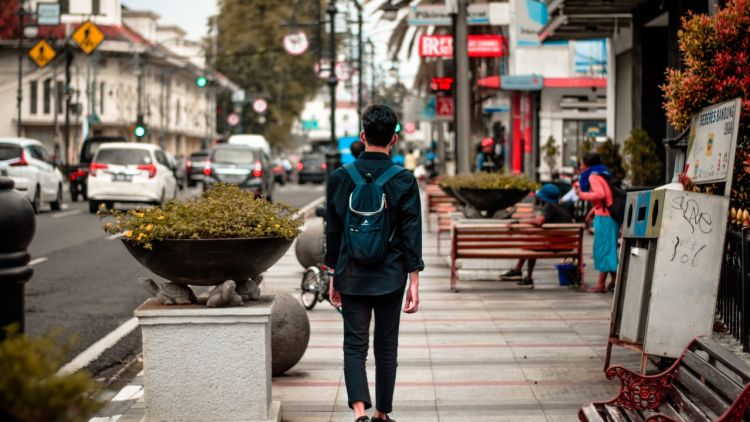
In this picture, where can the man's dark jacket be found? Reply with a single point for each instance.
(404, 210)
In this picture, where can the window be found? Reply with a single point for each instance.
(162, 159)
(64, 6)
(47, 96)
(101, 98)
(95, 7)
(33, 95)
(59, 95)
(576, 132)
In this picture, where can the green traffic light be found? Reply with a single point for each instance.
(201, 81)
(140, 131)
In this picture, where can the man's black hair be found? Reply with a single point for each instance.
(379, 123)
(591, 159)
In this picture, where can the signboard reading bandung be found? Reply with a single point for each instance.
(478, 45)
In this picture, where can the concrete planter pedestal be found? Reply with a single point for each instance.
(207, 364)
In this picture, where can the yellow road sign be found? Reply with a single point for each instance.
(88, 37)
(42, 53)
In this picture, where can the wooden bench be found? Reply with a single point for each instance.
(707, 383)
(444, 222)
(504, 241)
(435, 197)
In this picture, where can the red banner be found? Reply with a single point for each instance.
(478, 45)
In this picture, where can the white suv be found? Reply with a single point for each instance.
(32, 169)
(129, 172)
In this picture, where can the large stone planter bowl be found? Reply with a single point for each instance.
(450, 192)
(208, 262)
(491, 200)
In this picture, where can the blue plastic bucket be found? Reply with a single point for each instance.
(566, 274)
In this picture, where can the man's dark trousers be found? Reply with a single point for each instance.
(357, 311)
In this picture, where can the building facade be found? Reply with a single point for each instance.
(140, 69)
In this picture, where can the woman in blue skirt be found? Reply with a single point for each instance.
(594, 188)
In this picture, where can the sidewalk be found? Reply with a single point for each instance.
(493, 352)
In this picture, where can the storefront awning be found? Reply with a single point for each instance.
(493, 82)
(586, 19)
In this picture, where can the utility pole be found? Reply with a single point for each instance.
(442, 169)
(68, 95)
(461, 100)
(19, 92)
(360, 70)
(332, 154)
(372, 71)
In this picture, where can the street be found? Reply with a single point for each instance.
(86, 283)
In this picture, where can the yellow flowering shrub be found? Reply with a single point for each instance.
(223, 212)
(489, 181)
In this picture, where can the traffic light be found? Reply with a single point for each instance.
(201, 81)
(140, 128)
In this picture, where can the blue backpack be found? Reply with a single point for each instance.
(367, 228)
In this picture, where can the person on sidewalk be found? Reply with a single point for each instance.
(593, 186)
(364, 288)
(552, 212)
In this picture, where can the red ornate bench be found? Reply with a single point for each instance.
(707, 383)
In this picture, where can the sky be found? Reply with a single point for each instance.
(190, 15)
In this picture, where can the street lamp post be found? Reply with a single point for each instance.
(332, 154)
(461, 106)
(19, 92)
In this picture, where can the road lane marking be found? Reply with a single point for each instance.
(37, 261)
(310, 208)
(67, 213)
(98, 348)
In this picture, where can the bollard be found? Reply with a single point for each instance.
(17, 225)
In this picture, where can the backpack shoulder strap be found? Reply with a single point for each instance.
(388, 175)
(354, 174)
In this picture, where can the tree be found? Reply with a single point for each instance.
(611, 157)
(250, 52)
(551, 152)
(641, 160)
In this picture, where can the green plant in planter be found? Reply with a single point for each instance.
(30, 389)
(551, 152)
(489, 181)
(611, 157)
(642, 163)
(224, 212)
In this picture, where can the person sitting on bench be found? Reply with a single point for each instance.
(552, 212)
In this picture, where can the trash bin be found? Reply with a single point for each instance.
(567, 274)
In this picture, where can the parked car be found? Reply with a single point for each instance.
(34, 172)
(243, 166)
(179, 169)
(77, 175)
(130, 172)
(311, 168)
(194, 167)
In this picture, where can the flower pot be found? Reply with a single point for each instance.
(208, 262)
(491, 200)
(450, 192)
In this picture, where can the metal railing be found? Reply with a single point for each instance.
(733, 304)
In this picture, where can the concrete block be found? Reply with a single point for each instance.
(207, 364)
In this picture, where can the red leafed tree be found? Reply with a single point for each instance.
(716, 57)
(9, 19)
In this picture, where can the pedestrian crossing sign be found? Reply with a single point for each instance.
(88, 36)
(42, 53)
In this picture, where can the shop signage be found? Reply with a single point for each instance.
(441, 84)
(712, 142)
(444, 107)
(478, 45)
(47, 14)
(531, 82)
(478, 14)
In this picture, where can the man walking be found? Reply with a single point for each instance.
(371, 253)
